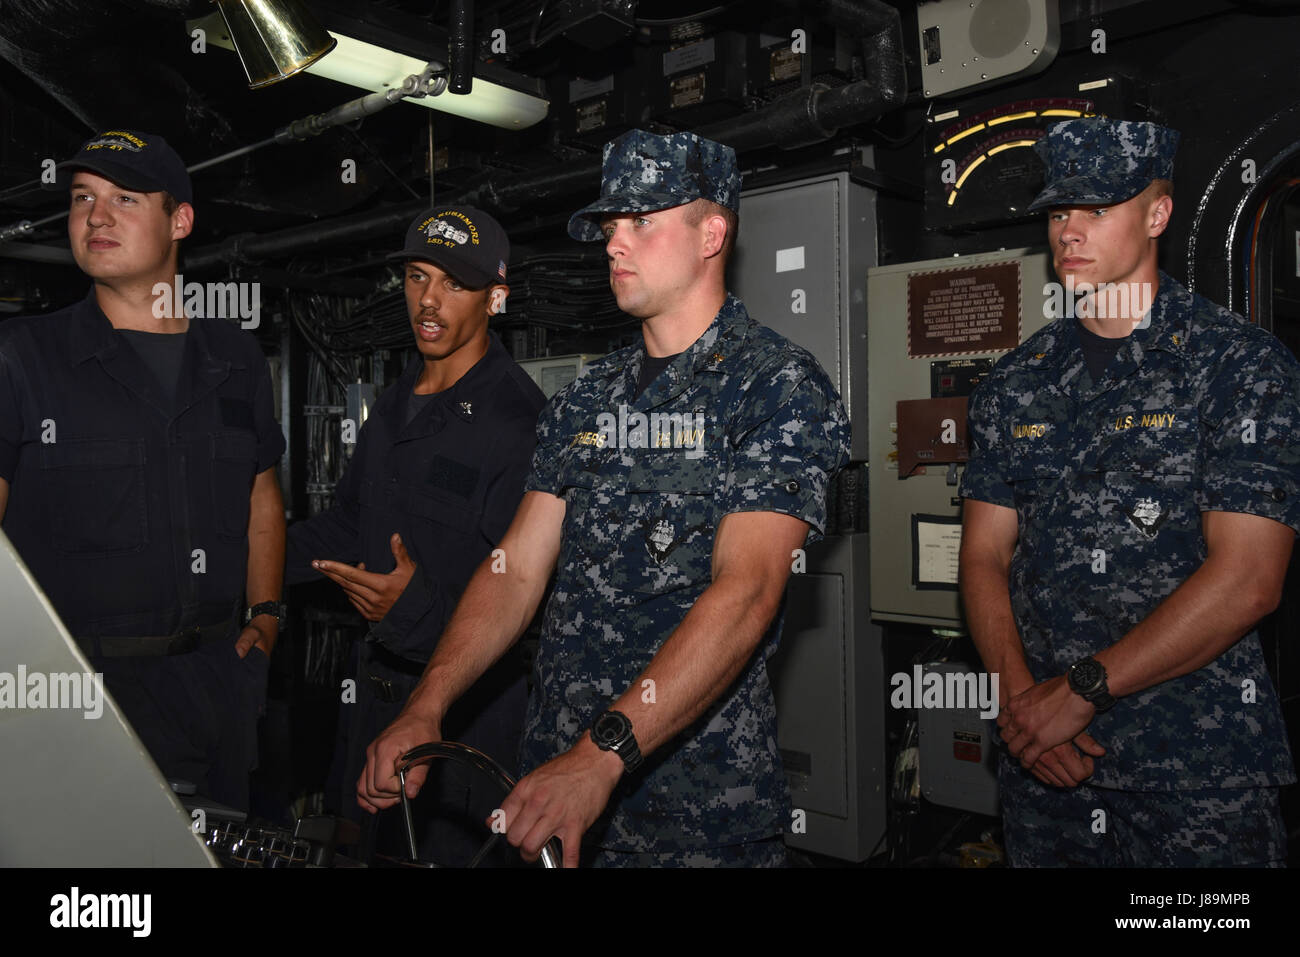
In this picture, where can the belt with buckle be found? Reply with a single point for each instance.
(182, 643)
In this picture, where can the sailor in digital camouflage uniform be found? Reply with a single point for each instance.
(1134, 489)
(671, 488)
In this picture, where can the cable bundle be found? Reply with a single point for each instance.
(565, 291)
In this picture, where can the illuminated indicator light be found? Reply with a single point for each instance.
(1061, 113)
(939, 148)
(970, 169)
(961, 180)
(1012, 116)
(964, 133)
(966, 751)
(1011, 144)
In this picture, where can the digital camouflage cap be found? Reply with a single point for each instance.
(1097, 160)
(642, 172)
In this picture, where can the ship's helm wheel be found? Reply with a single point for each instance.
(462, 754)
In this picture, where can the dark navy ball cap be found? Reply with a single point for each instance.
(143, 162)
(465, 242)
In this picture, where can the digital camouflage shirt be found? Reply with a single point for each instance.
(741, 421)
(1197, 412)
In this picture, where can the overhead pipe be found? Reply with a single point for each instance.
(249, 247)
(806, 116)
(33, 252)
(460, 46)
(26, 227)
(431, 82)
(861, 18)
(306, 282)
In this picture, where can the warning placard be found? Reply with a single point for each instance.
(967, 309)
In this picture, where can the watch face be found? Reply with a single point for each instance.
(609, 729)
(1085, 675)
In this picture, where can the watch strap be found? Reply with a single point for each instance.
(1101, 699)
(625, 746)
(1098, 694)
(273, 608)
(630, 752)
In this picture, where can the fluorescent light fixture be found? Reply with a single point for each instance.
(376, 68)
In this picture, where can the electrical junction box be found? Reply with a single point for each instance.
(779, 62)
(958, 748)
(936, 329)
(596, 111)
(700, 81)
(828, 679)
(800, 267)
(553, 373)
(594, 24)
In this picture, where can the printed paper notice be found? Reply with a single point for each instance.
(936, 544)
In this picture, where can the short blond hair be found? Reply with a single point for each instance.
(699, 210)
(1160, 187)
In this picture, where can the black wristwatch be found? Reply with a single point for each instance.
(613, 732)
(1087, 679)
(273, 608)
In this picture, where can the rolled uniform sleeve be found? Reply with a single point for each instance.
(984, 477)
(1251, 456)
(544, 476)
(790, 434)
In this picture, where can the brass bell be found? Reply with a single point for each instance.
(274, 38)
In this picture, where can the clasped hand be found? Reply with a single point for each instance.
(1043, 726)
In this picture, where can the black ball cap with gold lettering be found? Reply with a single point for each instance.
(143, 162)
(465, 242)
